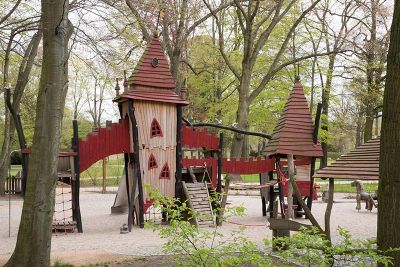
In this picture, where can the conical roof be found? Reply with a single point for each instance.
(293, 133)
(360, 163)
(152, 79)
(153, 68)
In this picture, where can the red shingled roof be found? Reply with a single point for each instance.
(361, 163)
(293, 133)
(152, 79)
(168, 96)
(153, 76)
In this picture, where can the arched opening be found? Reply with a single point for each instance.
(155, 129)
(165, 174)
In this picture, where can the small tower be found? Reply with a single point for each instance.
(150, 91)
(293, 134)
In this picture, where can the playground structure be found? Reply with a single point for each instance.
(157, 143)
(361, 164)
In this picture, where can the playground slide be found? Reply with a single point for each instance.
(121, 199)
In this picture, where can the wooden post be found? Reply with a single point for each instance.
(315, 140)
(136, 161)
(77, 183)
(263, 201)
(281, 195)
(304, 205)
(104, 163)
(290, 162)
(220, 156)
(178, 174)
(271, 195)
(126, 162)
(328, 210)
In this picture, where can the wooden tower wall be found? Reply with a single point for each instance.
(162, 147)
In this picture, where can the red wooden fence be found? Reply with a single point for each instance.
(198, 138)
(106, 142)
(251, 166)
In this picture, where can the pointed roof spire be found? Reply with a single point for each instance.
(293, 133)
(152, 79)
(153, 69)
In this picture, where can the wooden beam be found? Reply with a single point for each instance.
(283, 224)
(290, 213)
(315, 140)
(220, 156)
(136, 161)
(206, 124)
(126, 162)
(179, 156)
(77, 183)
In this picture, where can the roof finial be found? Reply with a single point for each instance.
(117, 88)
(160, 15)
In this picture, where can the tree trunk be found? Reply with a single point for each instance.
(238, 142)
(325, 108)
(34, 234)
(9, 128)
(242, 114)
(359, 128)
(389, 183)
(369, 122)
(5, 152)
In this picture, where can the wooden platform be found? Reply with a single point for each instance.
(68, 227)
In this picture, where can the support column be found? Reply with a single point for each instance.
(136, 163)
(75, 148)
(178, 173)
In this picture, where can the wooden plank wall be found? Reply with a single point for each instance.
(163, 148)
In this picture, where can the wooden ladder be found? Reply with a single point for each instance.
(198, 200)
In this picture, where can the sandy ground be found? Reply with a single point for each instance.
(101, 240)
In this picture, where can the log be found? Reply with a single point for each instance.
(283, 224)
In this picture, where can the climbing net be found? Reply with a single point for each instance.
(62, 216)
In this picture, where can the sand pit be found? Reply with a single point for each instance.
(101, 240)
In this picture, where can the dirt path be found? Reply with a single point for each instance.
(102, 242)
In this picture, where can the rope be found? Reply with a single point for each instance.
(62, 215)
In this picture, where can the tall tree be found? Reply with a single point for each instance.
(336, 37)
(371, 48)
(258, 22)
(389, 173)
(19, 51)
(24, 71)
(34, 234)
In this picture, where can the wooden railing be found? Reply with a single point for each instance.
(13, 185)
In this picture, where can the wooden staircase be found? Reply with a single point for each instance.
(198, 200)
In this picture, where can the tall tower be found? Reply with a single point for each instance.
(149, 95)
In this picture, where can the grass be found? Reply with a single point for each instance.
(347, 188)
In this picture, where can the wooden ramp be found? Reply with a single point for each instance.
(198, 200)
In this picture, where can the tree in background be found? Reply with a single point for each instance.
(370, 48)
(266, 30)
(389, 173)
(16, 27)
(34, 234)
